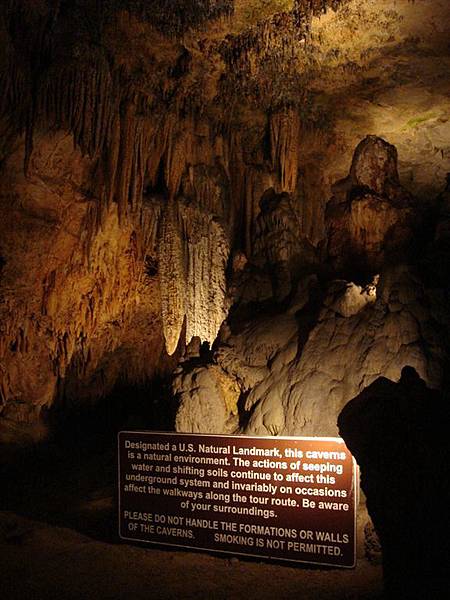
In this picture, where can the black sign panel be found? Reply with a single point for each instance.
(275, 497)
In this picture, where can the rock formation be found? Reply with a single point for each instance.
(243, 201)
(193, 255)
(371, 216)
(71, 292)
(277, 245)
(167, 175)
(328, 346)
(398, 434)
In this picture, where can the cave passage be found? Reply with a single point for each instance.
(225, 217)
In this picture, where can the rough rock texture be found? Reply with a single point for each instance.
(398, 434)
(177, 123)
(168, 183)
(298, 369)
(278, 245)
(73, 296)
(356, 338)
(193, 254)
(207, 400)
(371, 216)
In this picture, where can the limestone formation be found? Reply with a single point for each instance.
(284, 145)
(172, 265)
(347, 349)
(141, 149)
(193, 255)
(229, 216)
(73, 294)
(370, 218)
(207, 251)
(207, 400)
(277, 245)
(297, 369)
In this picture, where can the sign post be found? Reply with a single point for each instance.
(275, 497)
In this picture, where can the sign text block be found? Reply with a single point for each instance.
(284, 498)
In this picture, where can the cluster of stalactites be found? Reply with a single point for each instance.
(193, 254)
(284, 145)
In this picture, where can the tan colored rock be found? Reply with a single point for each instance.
(284, 145)
(77, 310)
(371, 217)
(348, 299)
(207, 400)
(280, 246)
(172, 267)
(344, 354)
(176, 123)
(193, 255)
(295, 381)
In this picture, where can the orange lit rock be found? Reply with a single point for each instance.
(77, 307)
(158, 143)
(370, 218)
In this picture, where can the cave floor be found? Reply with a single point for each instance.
(47, 562)
(58, 540)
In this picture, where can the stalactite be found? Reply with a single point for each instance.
(193, 254)
(149, 222)
(112, 160)
(105, 117)
(172, 276)
(157, 148)
(284, 147)
(175, 159)
(178, 16)
(276, 230)
(126, 155)
(15, 92)
(207, 250)
(236, 169)
(138, 132)
(257, 181)
(209, 187)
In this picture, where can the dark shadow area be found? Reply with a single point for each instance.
(398, 433)
(70, 479)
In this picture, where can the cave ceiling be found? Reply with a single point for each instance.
(154, 154)
(379, 65)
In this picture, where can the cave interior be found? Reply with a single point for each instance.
(224, 217)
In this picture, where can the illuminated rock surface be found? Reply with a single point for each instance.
(75, 297)
(215, 216)
(370, 218)
(160, 145)
(296, 371)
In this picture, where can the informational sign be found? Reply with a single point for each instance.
(275, 497)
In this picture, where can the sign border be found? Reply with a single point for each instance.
(248, 437)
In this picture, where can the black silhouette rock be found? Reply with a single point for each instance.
(398, 433)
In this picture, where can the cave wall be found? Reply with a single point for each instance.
(79, 309)
(157, 168)
(297, 365)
